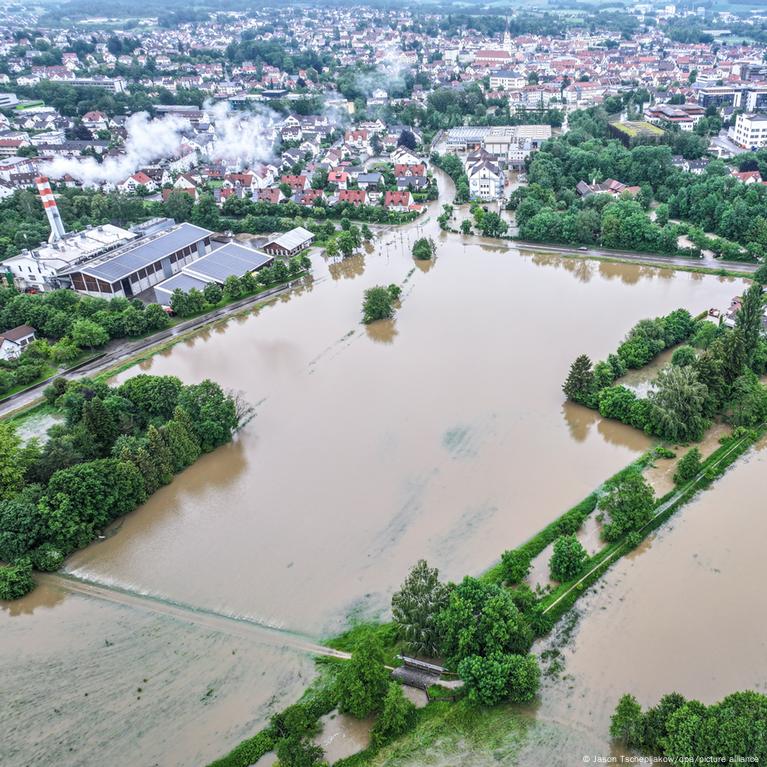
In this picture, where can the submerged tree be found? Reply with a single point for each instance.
(378, 305)
(415, 608)
(580, 381)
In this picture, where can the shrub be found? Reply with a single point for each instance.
(16, 580)
(688, 467)
(567, 559)
(515, 565)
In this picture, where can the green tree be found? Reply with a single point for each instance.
(656, 721)
(492, 225)
(212, 413)
(101, 426)
(396, 717)
(580, 380)
(678, 405)
(683, 356)
(363, 681)
(749, 319)
(567, 559)
(84, 498)
(688, 467)
(86, 333)
(424, 249)
(180, 441)
(12, 460)
(515, 564)
(760, 275)
(22, 526)
(629, 505)
(232, 287)
(155, 397)
(299, 751)
(377, 305)
(466, 226)
(212, 293)
(415, 608)
(498, 677)
(481, 619)
(627, 724)
(16, 580)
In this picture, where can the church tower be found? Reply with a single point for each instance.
(507, 39)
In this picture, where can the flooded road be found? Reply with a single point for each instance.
(441, 434)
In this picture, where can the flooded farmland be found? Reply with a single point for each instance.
(441, 434)
(683, 613)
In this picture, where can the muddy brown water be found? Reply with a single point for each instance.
(683, 613)
(441, 434)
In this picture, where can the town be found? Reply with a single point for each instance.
(296, 296)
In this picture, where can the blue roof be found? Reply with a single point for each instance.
(136, 256)
(230, 259)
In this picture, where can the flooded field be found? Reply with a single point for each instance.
(683, 613)
(441, 434)
(87, 682)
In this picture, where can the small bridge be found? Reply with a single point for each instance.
(417, 673)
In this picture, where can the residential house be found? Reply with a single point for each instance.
(13, 342)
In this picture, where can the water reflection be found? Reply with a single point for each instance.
(44, 596)
(347, 268)
(425, 265)
(382, 332)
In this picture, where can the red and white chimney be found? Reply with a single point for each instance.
(51, 209)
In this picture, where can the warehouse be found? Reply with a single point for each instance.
(229, 260)
(137, 267)
(290, 243)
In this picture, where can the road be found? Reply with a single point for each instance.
(235, 625)
(641, 258)
(121, 350)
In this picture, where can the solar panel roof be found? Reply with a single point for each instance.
(181, 280)
(230, 259)
(135, 257)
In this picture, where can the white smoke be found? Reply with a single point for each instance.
(241, 139)
(244, 139)
(389, 75)
(147, 141)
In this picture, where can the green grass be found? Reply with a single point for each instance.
(492, 735)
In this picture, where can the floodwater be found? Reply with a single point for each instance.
(683, 613)
(440, 434)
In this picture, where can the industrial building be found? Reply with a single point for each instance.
(290, 243)
(228, 260)
(106, 261)
(139, 266)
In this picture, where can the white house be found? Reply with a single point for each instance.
(13, 342)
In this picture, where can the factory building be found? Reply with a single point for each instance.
(142, 264)
(230, 259)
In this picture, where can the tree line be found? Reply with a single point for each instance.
(723, 378)
(686, 731)
(116, 446)
(550, 209)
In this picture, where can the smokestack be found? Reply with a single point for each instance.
(51, 209)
